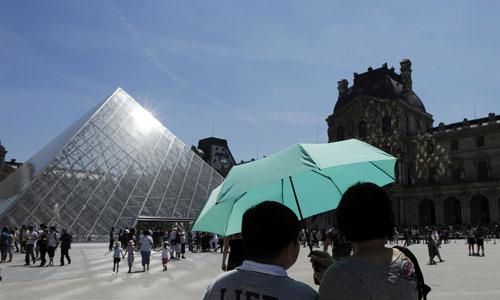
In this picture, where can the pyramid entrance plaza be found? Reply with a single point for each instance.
(118, 166)
(90, 276)
(115, 166)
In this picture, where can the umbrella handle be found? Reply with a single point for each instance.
(301, 217)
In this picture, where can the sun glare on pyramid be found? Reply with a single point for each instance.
(144, 120)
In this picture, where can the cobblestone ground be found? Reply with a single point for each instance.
(90, 275)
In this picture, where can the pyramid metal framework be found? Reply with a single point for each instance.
(115, 165)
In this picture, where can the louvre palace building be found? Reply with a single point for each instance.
(447, 174)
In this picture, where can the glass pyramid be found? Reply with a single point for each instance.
(115, 165)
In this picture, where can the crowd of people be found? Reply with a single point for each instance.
(129, 241)
(37, 244)
(370, 257)
(362, 263)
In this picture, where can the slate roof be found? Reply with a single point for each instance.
(381, 83)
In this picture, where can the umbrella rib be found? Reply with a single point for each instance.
(383, 171)
(328, 177)
(232, 208)
(282, 191)
(300, 213)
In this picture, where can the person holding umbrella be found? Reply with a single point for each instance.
(270, 236)
(374, 271)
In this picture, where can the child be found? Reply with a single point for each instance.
(165, 255)
(117, 255)
(130, 258)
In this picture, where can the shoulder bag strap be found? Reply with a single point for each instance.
(423, 289)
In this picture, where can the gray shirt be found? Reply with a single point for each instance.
(353, 278)
(253, 280)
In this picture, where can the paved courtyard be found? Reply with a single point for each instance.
(90, 277)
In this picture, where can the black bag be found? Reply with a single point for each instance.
(423, 289)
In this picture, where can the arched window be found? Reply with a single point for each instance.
(362, 129)
(386, 124)
(452, 211)
(479, 209)
(340, 133)
(427, 212)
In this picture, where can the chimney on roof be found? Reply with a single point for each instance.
(406, 74)
(491, 116)
(384, 65)
(342, 86)
(3, 151)
(370, 69)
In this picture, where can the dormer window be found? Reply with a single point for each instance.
(480, 141)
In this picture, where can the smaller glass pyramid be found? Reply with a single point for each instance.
(113, 166)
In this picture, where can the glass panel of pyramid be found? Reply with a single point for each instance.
(113, 166)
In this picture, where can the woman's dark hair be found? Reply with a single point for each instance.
(267, 229)
(365, 213)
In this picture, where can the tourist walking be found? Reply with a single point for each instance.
(130, 253)
(22, 239)
(172, 238)
(214, 242)
(42, 243)
(5, 244)
(111, 238)
(165, 255)
(52, 242)
(15, 233)
(471, 240)
(66, 239)
(433, 244)
(182, 243)
(31, 237)
(117, 255)
(480, 233)
(145, 244)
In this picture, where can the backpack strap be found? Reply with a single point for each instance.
(423, 289)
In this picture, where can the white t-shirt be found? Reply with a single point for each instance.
(52, 239)
(30, 237)
(165, 252)
(146, 242)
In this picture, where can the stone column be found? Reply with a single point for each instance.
(464, 205)
(494, 209)
(438, 206)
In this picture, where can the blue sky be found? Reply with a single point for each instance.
(262, 74)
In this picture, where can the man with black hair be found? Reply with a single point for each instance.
(479, 235)
(31, 237)
(373, 271)
(42, 243)
(270, 236)
(111, 238)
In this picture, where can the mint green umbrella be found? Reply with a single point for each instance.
(308, 178)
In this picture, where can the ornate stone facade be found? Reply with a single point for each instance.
(446, 175)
